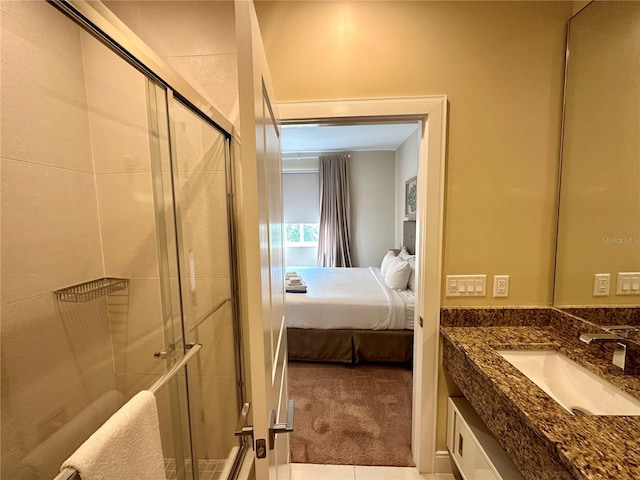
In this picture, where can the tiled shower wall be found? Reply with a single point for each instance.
(76, 205)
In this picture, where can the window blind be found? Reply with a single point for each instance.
(301, 197)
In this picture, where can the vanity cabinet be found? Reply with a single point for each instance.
(473, 449)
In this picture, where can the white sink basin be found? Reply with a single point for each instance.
(574, 387)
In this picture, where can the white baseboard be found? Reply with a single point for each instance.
(443, 462)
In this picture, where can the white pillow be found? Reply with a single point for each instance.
(404, 254)
(397, 274)
(411, 283)
(386, 260)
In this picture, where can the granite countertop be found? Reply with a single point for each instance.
(559, 444)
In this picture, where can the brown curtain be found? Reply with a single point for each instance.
(334, 242)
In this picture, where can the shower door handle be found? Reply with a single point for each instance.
(242, 429)
(275, 428)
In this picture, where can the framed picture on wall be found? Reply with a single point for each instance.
(410, 198)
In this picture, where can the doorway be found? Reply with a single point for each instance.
(432, 113)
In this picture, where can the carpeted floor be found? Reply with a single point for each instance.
(351, 414)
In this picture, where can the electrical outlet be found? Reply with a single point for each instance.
(601, 282)
(501, 285)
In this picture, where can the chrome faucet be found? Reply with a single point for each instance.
(618, 334)
(599, 337)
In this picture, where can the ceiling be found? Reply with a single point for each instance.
(345, 138)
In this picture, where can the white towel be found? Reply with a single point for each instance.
(127, 446)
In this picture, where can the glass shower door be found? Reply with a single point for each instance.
(200, 182)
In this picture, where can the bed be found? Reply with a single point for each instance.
(349, 315)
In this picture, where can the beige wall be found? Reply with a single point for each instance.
(579, 5)
(406, 167)
(372, 190)
(501, 65)
(599, 227)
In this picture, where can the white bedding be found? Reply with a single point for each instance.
(354, 298)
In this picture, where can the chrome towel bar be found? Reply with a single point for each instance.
(71, 473)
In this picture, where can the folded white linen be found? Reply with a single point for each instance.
(295, 284)
(296, 289)
(125, 446)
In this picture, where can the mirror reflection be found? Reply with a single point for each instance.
(598, 248)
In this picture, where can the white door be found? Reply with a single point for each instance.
(261, 180)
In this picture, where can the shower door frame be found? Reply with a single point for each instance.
(98, 20)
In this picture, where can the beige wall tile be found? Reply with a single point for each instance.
(43, 18)
(208, 292)
(144, 328)
(86, 325)
(128, 225)
(204, 230)
(217, 356)
(213, 397)
(40, 374)
(48, 408)
(118, 309)
(117, 100)
(197, 39)
(215, 77)
(44, 118)
(50, 232)
(140, 350)
(198, 145)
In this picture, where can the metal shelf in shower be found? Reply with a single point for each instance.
(87, 291)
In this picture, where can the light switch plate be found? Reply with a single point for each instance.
(628, 283)
(466, 285)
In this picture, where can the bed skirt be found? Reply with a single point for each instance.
(350, 346)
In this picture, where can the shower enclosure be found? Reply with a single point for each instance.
(117, 250)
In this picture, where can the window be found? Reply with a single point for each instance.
(301, 234)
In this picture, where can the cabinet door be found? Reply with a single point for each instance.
(465, 450)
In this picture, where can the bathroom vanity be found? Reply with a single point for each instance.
(543, 439)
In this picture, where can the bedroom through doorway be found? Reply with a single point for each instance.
(431, 112)
(351, 338)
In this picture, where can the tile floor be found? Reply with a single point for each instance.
(209, 469)
(307, 471)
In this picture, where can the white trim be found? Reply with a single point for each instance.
(432, 110)
(443, 462)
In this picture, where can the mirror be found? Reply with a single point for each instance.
(599, 210)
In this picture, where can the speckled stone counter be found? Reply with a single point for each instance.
(544, 440)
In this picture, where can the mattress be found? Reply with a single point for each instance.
(348, 298)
